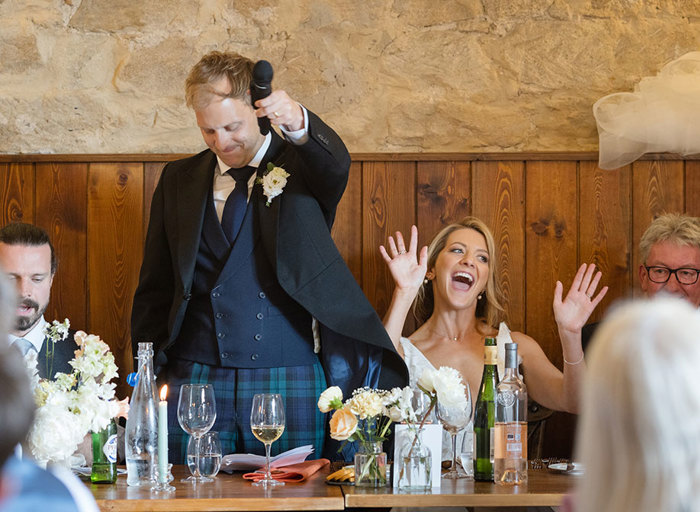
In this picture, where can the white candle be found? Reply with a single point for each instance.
(163, 436)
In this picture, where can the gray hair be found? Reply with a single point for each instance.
(674, 227)
(639, 436)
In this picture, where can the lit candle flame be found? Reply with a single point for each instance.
(164, 392)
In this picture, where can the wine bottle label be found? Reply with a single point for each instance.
(511, 440)
(110, 448)
(490, 355)
(491, 447)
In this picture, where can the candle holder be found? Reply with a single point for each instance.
(163, 484)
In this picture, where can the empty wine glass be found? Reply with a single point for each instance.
(453, 419)
(267, 424)
(196, 413)
(209, 454)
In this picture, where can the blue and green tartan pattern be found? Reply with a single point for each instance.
(300, 387)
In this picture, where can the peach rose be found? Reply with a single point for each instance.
(343, 424)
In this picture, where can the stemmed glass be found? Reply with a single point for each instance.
(196, 413)
(267, 424)
(453, 420)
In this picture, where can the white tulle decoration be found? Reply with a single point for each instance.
(662, 115)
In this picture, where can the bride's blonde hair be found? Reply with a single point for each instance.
(489, 308)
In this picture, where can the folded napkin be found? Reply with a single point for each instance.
(292, 473)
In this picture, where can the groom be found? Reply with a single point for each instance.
(234, 277)
(27, 257)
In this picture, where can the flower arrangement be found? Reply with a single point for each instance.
(363, 418)
(444, 385)
(72, 405)
(273, 182)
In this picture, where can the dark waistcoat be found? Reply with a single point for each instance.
(238, 316)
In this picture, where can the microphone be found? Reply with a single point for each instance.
(260, 88)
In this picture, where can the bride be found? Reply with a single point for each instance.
(453, 286)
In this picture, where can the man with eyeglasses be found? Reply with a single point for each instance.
(670, 254)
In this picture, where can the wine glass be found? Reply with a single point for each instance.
(267, 424)
(209, 454)
(196, 413)
(453, 419)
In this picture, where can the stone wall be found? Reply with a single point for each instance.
(106, 76)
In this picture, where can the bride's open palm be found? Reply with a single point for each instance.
(407, 268)
(573, 311)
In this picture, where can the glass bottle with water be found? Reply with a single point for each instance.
(141, 436)
(510, 433)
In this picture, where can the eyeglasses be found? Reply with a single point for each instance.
(683, 275)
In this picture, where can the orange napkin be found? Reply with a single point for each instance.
(293, 472)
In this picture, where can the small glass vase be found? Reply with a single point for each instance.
(370, 465)
(415, 464)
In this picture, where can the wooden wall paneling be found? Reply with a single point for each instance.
(499, 200)
(388, 191)
(17, 192)
(551, 240)
(604, 227)
(692, 188)
(443, 196)
(347, 228)
(115, 246)
(151, 176)
(657, 187)
(61, 209)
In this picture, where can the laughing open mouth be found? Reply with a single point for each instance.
(463, 279)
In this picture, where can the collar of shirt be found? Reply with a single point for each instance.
(224, 183)
(35, 336)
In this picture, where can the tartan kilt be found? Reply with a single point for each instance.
(300, 387)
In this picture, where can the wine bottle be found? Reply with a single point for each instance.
(141, 436)
(510, 432)
(485, 414)
(104, 455)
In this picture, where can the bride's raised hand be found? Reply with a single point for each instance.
(407, 268)
(572, 313)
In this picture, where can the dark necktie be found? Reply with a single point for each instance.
(236, 203)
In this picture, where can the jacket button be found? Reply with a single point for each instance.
(215, 295)
(261, 295)
(259, 316)
(220, 335)
(258, 337)
(219, 315)
(254, 357)
(224, 355)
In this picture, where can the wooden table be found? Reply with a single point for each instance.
(227, 492)
(544, 489)
(231, 492)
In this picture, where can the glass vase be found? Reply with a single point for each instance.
(370, 465)
(414, 464)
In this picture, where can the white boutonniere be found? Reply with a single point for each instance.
(273, 182)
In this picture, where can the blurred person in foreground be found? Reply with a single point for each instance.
(639, 431)
(239, 261)
(25, 487)
(28, 259)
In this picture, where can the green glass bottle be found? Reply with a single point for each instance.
(485, 414)
(104, 455)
